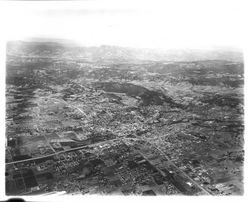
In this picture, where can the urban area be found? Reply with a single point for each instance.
(107, 120)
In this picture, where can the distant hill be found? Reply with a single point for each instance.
(115, 54)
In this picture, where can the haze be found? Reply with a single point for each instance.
(129, 23)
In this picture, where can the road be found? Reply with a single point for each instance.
(177, 168)
(109, 141)
(60, 152)
(72, 106)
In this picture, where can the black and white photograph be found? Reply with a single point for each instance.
(124, 98)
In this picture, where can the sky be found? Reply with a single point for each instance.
(146, 24)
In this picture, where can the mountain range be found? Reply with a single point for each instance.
(117, 54)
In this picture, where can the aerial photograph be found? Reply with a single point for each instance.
(104, 99)
(115, 120)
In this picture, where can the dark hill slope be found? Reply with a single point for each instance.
(148, 97)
